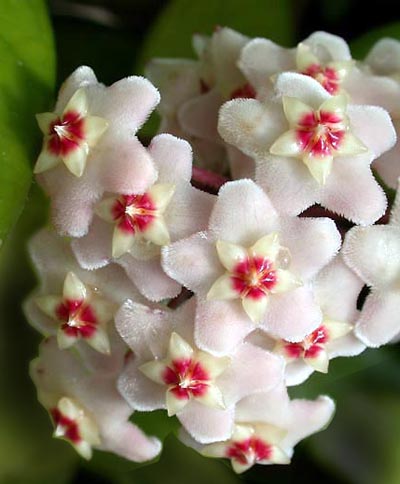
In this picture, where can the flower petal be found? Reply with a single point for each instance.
(255, 308)
(74, 289)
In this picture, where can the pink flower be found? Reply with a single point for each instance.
(76, 305)
(170, 371)
(131, 228)
(252, 268)
(86, 409)
(336, 291)
(267, 427)
(373, 253)
(89, 147)
(312, 147)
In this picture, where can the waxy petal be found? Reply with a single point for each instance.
(46, 161)
(319, 361)
(154, 370)
(287, 145)
(94, 128)
(255, 308)
(78, 103)
(44, 121)
(286, 281)
(75, 161)
(74, 289)
(212, 397)
(157, 232)
(100, 341)
(65, 340)
(49, 304)
(122, 242)
(178, 348)
(230, 254)
(222, 289)
(161, 194)
(174, 403)
(268, 246)
(295, 110)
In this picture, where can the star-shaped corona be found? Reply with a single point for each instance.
(138, 217)
(317, 136)
(250, 444)
(253, 274)
(68, 136)
(188, 375)
(81, 314)
(73, 424)
(330, 75)
(313, 349)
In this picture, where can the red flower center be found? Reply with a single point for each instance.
(311, 346)
(249, 451)
(320, 133)
(70, 427)
(254, 277)
(326, 76)
(186, 378)
(66, 133)
(78, 318)
(134, 213)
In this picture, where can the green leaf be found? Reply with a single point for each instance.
(363, 44)
(171, 34)
(26, 84)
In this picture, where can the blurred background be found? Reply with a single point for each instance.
(116, 38)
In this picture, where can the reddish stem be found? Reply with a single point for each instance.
(207, 179)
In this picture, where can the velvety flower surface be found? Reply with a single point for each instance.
(86, 409)
(89, 146)
(312, 147)
(252, 268)
(170, 371)
(374, 255)
(267, 427)
(131, 228)
(336, 291)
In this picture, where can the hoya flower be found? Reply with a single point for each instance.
(131, 228)
(86, 409)
(170, 371)
(373, 253)
(336, 291)
(311, 147)
(252, 268)
(89, 146)
(263, 434)
(75, 305)
(193, 91)
(384, 60)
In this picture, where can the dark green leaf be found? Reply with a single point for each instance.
(362, 45)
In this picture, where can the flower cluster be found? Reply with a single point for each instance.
(156, 294)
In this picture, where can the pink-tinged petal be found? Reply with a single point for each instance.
(268, 407)
(352, 191)
(141, 392)
(286, 281)
(310, 91)
(261, 59)
(94, 249)
(122, 242)
(75, 161)
(94, 128)
(379, 320)
(127, 103)
(334, 45)
(388, 165)
(82, 77)
(308, 417)
(338, 304)
(319, 361)
(78, 102)
(278, 175)
(199, 115)
(154, 370)
(157, 232)
(177, 80)
(222, 288)
(172, 157)
(242, 214)
(193, 262)
(347, 345)
(146, 331)
(188, 211)
(226, 45)
(207, 424)
(384, 56)
(46, 160)
(149, 277)
(64, 340)
(213, 366)
(126, 166)
(297, 372)
(250, 125)
(373, 126)
(253, 370)
(287, 145)
(320, 167)
(175, 403)
(255, 308)
(221, 326)
(295, 110)
(374, 254)
(74, 289)
(179, 348)
(312, 244)
(268, 246)
(365, 88)
(230, 254)
(292, 315)
(212, 398)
